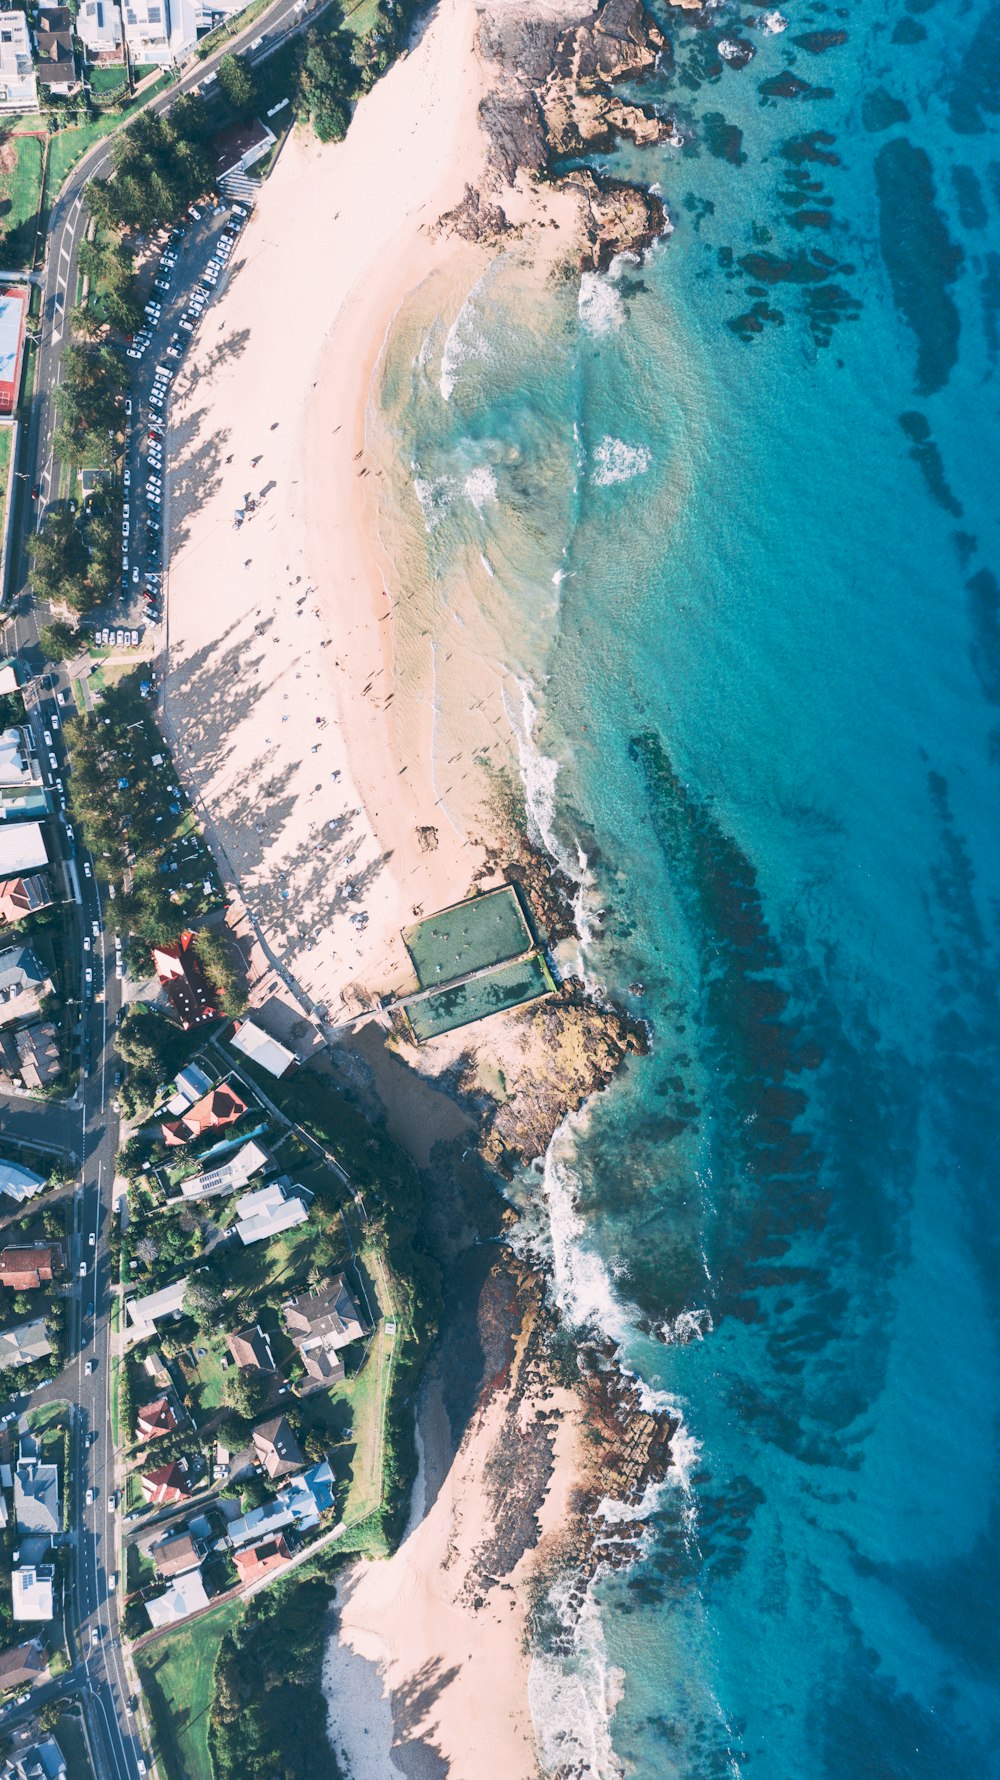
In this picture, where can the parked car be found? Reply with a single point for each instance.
(89, 1367)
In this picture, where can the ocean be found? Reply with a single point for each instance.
(720, 532)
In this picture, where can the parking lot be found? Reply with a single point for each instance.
(190, 264)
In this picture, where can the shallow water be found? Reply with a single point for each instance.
(728, 524)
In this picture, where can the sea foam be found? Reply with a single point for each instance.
(573, 1696)
(481, 486)
(615, 461)
(599, 304)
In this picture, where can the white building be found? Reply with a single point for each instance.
(160, 30)
(18, 86)
(19, 1183)
(32, 1592)
(145, 1313)
(253, 1042)
(22, 848)
(99, 28)
(270, 1210)
(230, 1176)
(18, 766)
(185, 1595)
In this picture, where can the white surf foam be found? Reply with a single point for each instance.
(771, 22)
(481, 486)
(539, 772)
(689, 1325)
(616, 461)
(464, 341)
(599, 304)
(435, 497)
(487, 565)
(573, 1697)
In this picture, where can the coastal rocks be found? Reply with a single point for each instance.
(474, 219)
(557, 1053)
(583, 121)
(614, 218)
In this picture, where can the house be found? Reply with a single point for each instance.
(176, 1555)
(26, 1343)
(18, 765)
(229, 1176)
(237, 148)
(99, 28)
(270, 1210)
(308, 1495)
(56, 65)
(23, 1663)
(36, 1492)
(176, 964)
(155, 1420)
(24, 1269)
(261, 1559)
(11, 675)
(18, 90)
(19, 803)
(253, 1042)
(19, 1183)
(22, 847)
(321, 1323)
(251, 1347)
(145, 1313)
(168, 1484)
(23, 896)
(260, 1523)
(29, 1055)
(32, 1591)
(276, 1448)
(215, 1110)
(191, 1083)
(186, 1595)
(40, 1761)
(23, 982)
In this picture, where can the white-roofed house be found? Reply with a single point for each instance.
(99, 28)
(19, 1183)
(230, 1176)
(25, 1344)
(36, 1497)
(145, 1313)
(32, 1591)
(18, 87)
(253, 1042)
(185, 1596)
(269, 1210)
(22, 848)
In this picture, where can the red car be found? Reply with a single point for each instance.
(36, 491)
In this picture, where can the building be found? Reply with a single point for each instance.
(176, 1555)
(239, 147)
(56, 66)
(186, 1595)
(99, 28)
(308, 1495)
(36, 1496)
(252, 1348)
(270, 1210)
(155, 1419)
(168, 1484)
(252, 1041)
(25, 1344)
(23, 985)
(260, 1560)
(22, 844)
(191, 1083)
(18, 90)
(29, 1056)
(40, 1761)
(145, 1313)
(19, 1183)
(23, 896)
(218, 1108)
(229, 1176)
(23, 1664)
(177, 965)
(276, 1448)
(18, 765)
(321, 1323)
(11, 674)
(32, 1591)
(261, 1523)
(24, 1269)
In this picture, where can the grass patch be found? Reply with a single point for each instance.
(177, 1676)
(6, 435)
(70, 1737)
(20, 198)
(108, 80)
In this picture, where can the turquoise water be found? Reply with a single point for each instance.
(741, 501)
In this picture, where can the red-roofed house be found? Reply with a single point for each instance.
(168, 1484)
(254, 1564)
(23, 896)
(25, 1268)
(155, 1419)
(219, 1107)
(187, 987)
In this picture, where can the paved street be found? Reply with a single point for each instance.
(88, 1131)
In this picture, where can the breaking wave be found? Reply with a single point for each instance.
(481, 486)
(615, 461)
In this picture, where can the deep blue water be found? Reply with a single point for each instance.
(771, 682)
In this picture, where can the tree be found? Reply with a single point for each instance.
(59, 560)
(146, 1250)
(202, 1300)
(215, 955)
(237, 82)
(249, 1392)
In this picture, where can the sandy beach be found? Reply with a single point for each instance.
(280, 652)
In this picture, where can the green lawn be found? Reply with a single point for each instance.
(107, 80)
(176, 1674)
(20, 196)
(6, 435)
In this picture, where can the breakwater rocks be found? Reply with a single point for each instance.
(553, 100)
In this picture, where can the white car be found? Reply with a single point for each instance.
(95, 928)
(91, 1497)
(53, 762)
(54, 720)
(135, 576)
(89, 1367)
(82, 1270)
(88, 976)
(47, 738)
(127, 478)
(86, 943)
(92, 1239)
(128, 404)
(112, 1582)
(126, 528)
(86, 869)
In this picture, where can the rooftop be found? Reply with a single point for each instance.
(22, 848)
(185, 1595)
(253, 1042)
(270, 1210)
(277, 1448)
(27, 1342)
(32, 1592)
